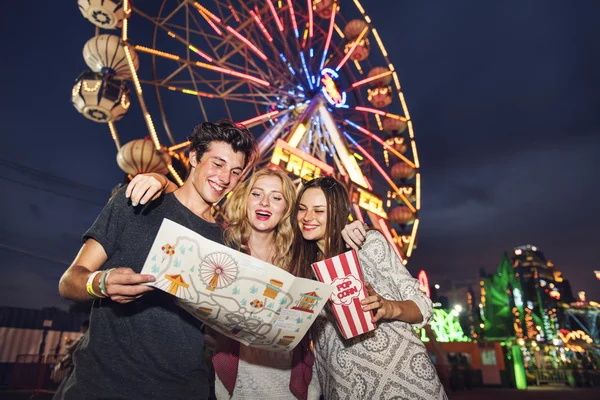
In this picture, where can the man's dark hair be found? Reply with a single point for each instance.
(85, 323)
(226, 131)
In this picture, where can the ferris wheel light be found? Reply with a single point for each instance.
(261, 26)
(233, 73)
(293, 17)
(339, 31)
(359, 6)
(205, 11)
(179, 146)
(404, 106)
(247, 42)
(275, 16)
(357, 65)
(175, 174)
(396, 81)
(332, 93)
(418, 191)
(381, 142)
(415, 155)
(308, 77)
(354, 45)
(379, 125)
(260, 118)
(156, 52)
(237, 19)
(413, 236)
(124, 31)
(379, 42)
(371, 79)
(201, 54)
(310, 17)
(113, 134)
(370, 110)
(329, 34)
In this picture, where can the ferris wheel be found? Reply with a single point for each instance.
(312, 79)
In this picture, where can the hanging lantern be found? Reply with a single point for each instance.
(140, 156)
(402, 171)
(352, 31)
(107, 14)
(100, 98)
(408, 190)
(381, 93)
(323, 8)
(394, 125)
(399, 143)
(380, 96)
(401, 215)
(106, 54)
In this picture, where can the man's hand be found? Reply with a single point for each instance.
(124, 286)
(354, 234)
(146, 187)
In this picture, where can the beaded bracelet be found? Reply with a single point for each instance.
(89, 286)
(103, 279)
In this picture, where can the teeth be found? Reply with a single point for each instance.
(217, 187)
(263, 213)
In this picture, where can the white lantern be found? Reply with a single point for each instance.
(140, 156)
(107, 14)
(106, 54)
(100, 98)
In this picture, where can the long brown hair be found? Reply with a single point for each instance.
(238, 228)
(305, 252)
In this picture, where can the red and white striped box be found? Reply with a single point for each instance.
(343, 273)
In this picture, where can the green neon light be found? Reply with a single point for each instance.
(446, 327)
(520, 378)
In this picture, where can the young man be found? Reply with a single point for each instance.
(141, 345)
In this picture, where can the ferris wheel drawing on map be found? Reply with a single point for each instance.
(312, 79)
(218, 270)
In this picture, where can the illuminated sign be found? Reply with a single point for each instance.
(446, 328)
(330, 88)
(369, 202)
(424, 283)
(297, 162)
(575, 340)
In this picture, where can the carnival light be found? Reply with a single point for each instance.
(261, 26)
(371, 79)
(328, 41)
(275, 16)
(247, 42)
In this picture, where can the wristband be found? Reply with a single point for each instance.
(89, 286)
(103, 279)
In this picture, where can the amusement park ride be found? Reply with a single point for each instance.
(310, 78)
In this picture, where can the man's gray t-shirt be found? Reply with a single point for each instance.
(150, 348)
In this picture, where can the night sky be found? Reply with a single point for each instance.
(505, 101)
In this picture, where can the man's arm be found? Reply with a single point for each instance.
(147, 187)
(123, 285)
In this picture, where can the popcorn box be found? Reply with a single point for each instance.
(343, 273)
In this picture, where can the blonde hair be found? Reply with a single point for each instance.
(238, 228)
